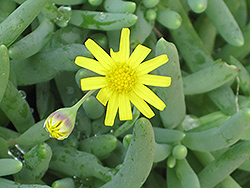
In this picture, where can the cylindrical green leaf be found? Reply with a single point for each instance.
(100, 145)
(236, 51)
(162, 151)
(83, 73)
(173, 95)
(206, 31)
(47, 64)
(8, 133)
(98, 126)
(95, 2)
(45, 101)
(186, 174)
(169, 18)
(19, 20)
(102, 20)
(127, 140)
(117, 156)
(198, 6)
(33, 42)
(128, 124)
(219, 137)
(172, 179)
(211, 117)
(35, 165)
(119, 6)
(244, 101)
(67, 35)
(9, 166)
(241, 15)
(93, 108)
(193, 50)
(12, 184)
(221, 167)
(225, 99)
(230, 182)
(187, 40)
(33, 136)
(209, 78)
(72, 162)
(4, 71)
(244, 76)
(211, 124)
(141, 29)
(220, 15)
(245, 165)
(150, 3)
(4, 148)
(205, 158)
(64, 183)
(69, 2)
(233, 5)
(139, 158)
(4, 121)
(7, 7)
(16, 108)
(167, 135)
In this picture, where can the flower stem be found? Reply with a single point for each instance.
(79, 103)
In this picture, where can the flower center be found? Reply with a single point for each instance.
(121, 78)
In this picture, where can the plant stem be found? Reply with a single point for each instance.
(79, 103)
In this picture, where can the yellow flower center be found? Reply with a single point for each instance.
(54, 129)
(121, 78)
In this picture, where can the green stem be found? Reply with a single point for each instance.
(79, 103)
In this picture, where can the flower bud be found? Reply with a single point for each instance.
(61, 123)
(179, 152)
(171, 161)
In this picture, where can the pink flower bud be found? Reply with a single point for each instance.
(61, 123)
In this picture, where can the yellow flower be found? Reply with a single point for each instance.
(123, 78)
(61, 122)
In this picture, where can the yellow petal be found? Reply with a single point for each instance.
(152, 64)
(111, 110)
(114, 55)
(141, 105)
(138, 55)
(93, 83)
(104, 95)
(125, 112)
(99, 53)
(149, 96)
(90, 64)
(155, 80)
(124, 48)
